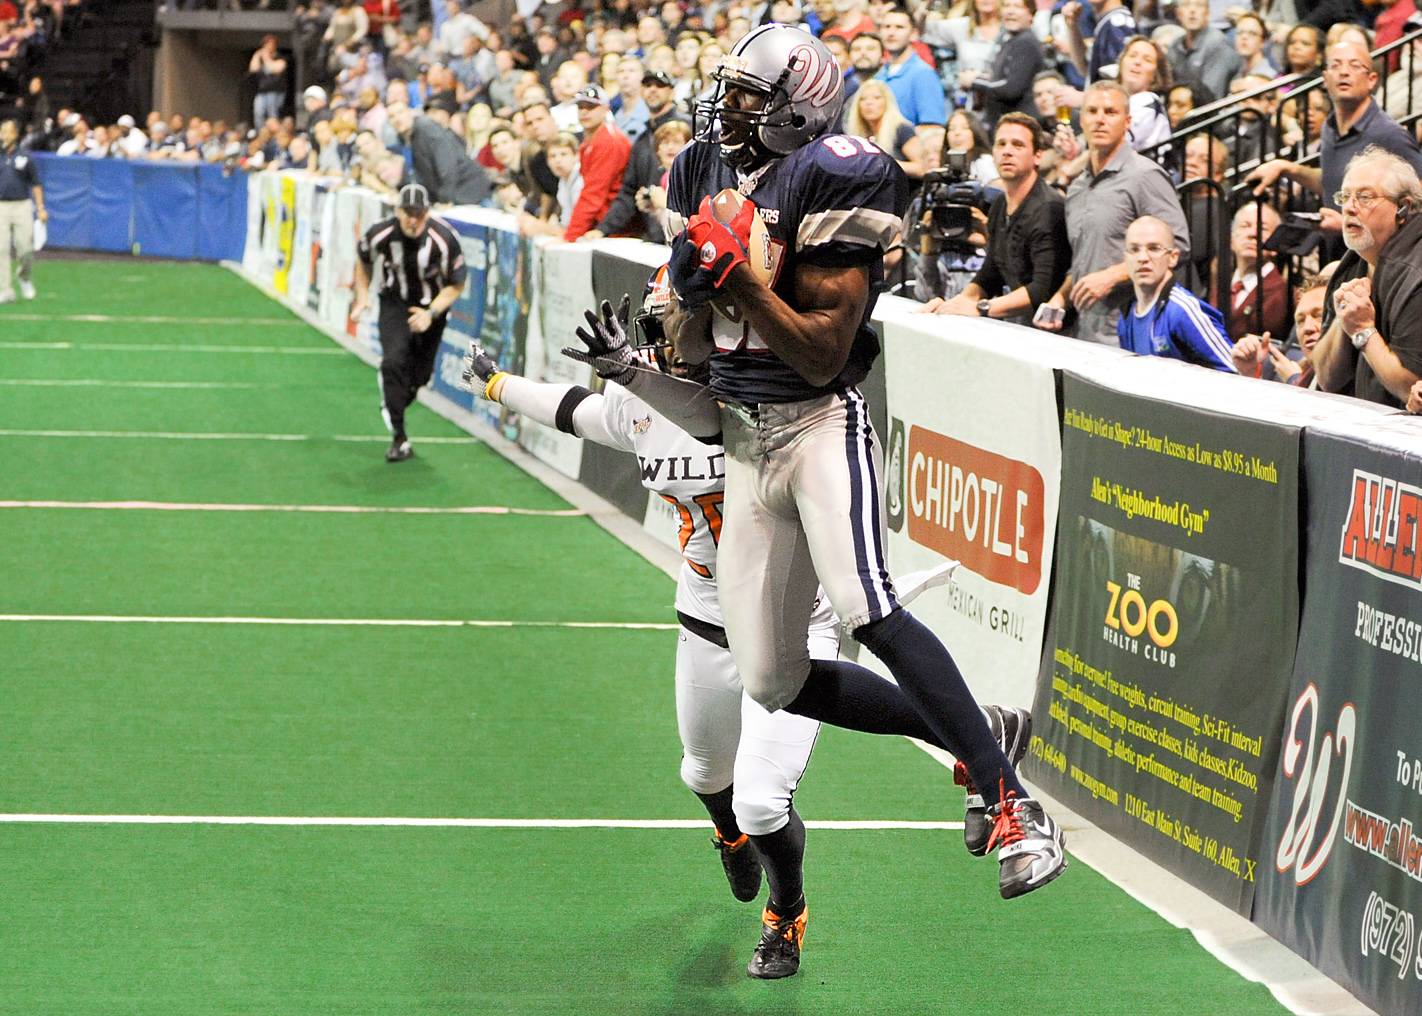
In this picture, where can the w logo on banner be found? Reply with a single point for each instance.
(1299, 847)
(819, 76)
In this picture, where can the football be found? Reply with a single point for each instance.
(726, 206)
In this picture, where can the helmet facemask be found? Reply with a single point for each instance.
(650, 335)
(739, 131)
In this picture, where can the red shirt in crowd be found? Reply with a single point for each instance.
(866, 24)
(381, 13)
(1389, 28)
(602, 160)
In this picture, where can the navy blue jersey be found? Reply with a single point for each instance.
(838, 201)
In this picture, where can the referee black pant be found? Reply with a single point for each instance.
(406, 361)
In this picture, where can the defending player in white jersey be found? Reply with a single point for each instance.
(741, 761)
(783, 228)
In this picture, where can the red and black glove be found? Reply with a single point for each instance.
(703, 256)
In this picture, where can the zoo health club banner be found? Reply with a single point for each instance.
(1174, 625)
(972, 465)
(1341, 872)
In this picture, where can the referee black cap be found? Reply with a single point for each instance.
(414, 198)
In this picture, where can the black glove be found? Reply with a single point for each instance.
(693, 285)
(606, 340)
(479, 366)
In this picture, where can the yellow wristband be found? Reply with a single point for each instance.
(494, 385)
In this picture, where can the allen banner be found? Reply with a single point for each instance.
(1173, 627)
(1341, 872)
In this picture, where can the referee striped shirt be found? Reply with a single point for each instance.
(413, 271)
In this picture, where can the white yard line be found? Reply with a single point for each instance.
(318, 509)
(176, 347)
(149, 319)
(333, 622)
(16, 382)
(457, 823)
(1235, 941)
(163, 435)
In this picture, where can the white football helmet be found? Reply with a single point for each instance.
(801, 88)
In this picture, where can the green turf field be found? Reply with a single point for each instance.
(517, 725)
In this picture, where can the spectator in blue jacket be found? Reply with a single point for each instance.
(1166, 319)
(915, 85)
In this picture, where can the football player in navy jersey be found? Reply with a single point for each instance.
(803, 504)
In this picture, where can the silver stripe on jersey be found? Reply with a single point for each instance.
(676, 222)
(854, 225)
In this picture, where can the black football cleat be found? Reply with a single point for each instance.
(777, 954)
(399, 451)
(1013, 730)
(1031, 847)
(742, 866)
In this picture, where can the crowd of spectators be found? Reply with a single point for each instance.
(27, 27)
(1062, 124)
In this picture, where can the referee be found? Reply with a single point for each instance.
(19, 182)
(421, 274)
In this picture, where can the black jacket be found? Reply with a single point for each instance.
(1008, 84)
(1030, 249)
(442, 165)
(1397, 306)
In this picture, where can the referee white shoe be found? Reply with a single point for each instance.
(399, 451)
(27, 289)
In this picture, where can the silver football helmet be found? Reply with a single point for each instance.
(801, 92)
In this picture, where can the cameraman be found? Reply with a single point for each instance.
(1027, 250)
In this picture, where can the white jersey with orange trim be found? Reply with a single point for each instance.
(689, 475)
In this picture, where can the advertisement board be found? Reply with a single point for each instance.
(1341, 872)
(1173, 628)
(972, 463)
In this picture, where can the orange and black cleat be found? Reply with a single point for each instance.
(777, 954)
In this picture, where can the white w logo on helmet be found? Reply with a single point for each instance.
(819, 77)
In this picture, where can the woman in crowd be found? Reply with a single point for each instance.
(1145, 72)
(1303, 50)
(874, 114)
(668, 140)
(478, 122)
(706, 62)
(607, 71)
(1182, 100)
(966, 132)
(1304, 116)
(347, 30)
(972, 35)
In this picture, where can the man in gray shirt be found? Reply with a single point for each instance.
(440, 162)
(1349, 76)
(1203, 53)
(1117, 187)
